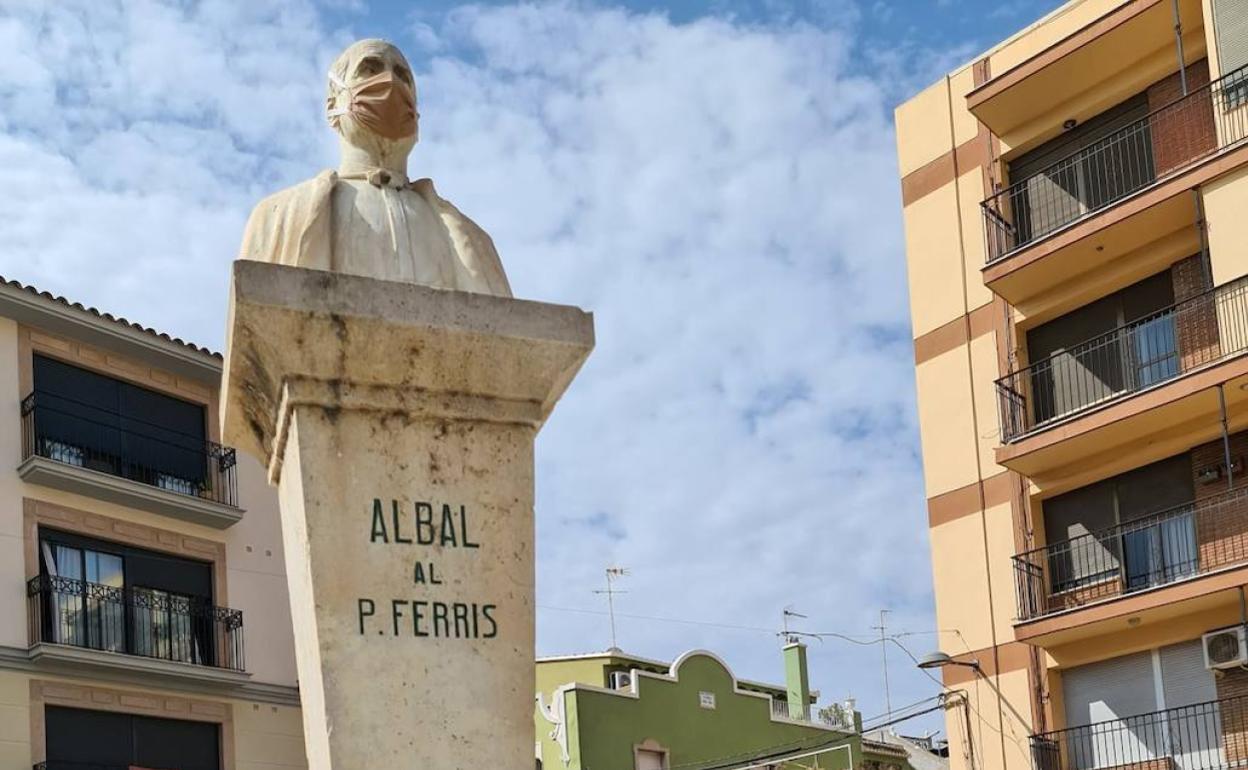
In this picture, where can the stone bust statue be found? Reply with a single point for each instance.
(367, 218)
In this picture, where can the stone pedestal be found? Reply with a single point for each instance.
(398, 423)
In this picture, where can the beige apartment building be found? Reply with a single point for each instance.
(1076, 218)
(144, 620)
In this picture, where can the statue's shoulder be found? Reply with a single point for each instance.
(280, 224)
(477, 256)
(309, 191)
(451, 215)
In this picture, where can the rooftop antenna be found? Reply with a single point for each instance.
(888, 705)
(613, 574)
(791, 637)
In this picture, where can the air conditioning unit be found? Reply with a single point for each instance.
(1227, 648)
(620, 680)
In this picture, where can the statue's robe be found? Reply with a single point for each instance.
(295, 227)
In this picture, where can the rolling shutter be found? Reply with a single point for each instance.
(1108, 694)
(1111, 689)
(1194, 731)
(1230, 18)
(1184, 678)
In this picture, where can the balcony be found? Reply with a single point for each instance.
(836, 716)
(59, 765)
(1141, 355)
(1204, 736)
(145, 623)
(1116, 195)
(80, 448)
(1101, 57)
(1205, 536)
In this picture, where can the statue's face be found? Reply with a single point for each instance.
(376, 97)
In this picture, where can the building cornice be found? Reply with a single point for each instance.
(29, 306)
(143, 672)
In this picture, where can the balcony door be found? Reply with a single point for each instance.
(88, 419)
(1120, 343)
(1142, 707)
(1125, 533)
(78, 738)
(117, 598)
(1102, 698)
(1082, 170)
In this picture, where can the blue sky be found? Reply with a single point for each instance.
(716, 181)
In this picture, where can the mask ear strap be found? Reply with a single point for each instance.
(341, 86)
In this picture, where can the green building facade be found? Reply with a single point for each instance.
(612, 711)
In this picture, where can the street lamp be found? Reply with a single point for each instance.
(941, 659)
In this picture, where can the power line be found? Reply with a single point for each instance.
(706, 623)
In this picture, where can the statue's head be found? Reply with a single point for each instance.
(372, 99)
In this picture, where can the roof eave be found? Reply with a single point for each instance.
(28, 306)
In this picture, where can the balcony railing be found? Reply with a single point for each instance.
(134, 621)
(836, 716)
(1146, 352)
(1120, 164)
(54, 764)
(1203, 736)
(86, 436)
(1153, 551)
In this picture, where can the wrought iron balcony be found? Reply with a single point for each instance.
(1120, 164)
(1142, 354)
(134, 621)
(1153, 551)
(54, 764)
(85, 436)
(1204, 736)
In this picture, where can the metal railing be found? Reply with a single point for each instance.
(1152, 551)
(1119, 164)
(134, 621)
(1143, 353)
(56, 764)
(832, 716)
(84, 435)
(1203, 736)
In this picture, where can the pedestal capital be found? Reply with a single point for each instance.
(298, 336)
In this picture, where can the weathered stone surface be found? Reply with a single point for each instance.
(398, 422)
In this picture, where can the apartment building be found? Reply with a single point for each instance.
(1076, 222)
(144, 619)
(615, 711)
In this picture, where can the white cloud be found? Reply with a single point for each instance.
(723, 196)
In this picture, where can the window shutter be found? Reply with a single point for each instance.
(1230, 18)
(1195, 732)
(1111, 689)
(1109, 694)
(1184, 679)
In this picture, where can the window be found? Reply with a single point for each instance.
(117, 598)
(81, 738)
(649, 760)
(1082, 170)
(93, 421)
(1111, 530)
(1144, 707)
(1230, 18)
(1117, 344)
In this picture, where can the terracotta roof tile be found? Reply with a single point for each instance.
(107, 316)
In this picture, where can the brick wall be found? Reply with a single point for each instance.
(1196, 323)
(1233, 683)
(1183, 131)
(1222, 526)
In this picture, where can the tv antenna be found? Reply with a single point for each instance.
(789, 635)
(613, 574)
(882, 627)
